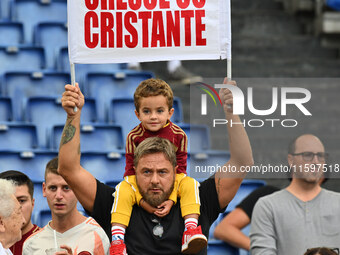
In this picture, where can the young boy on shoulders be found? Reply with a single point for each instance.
(153, 100)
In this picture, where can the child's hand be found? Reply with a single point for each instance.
(164, 208)
(147, 207)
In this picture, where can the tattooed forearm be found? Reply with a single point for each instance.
(68, 132)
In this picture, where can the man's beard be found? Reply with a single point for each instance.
(156, 200)
(310, 178)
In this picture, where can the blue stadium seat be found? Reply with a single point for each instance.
(46, 112)
(18, 136)
(177, 117)
(94, 137)
(245, 189)
(213, 226)
(32, 12)
(120, 84)
(198, 137)
(6, 109)
(22, 85)
(105, 86)
(106, 167)
(52, 36)
(40, 201)
(122, 112)
(5, 9)
(217, 247)
(334, 4)
(201, 165)
(113, 183)
(32, 163)
(40, 204)
(63, 64)
(42, 217)
(12, 33)
(21, 58)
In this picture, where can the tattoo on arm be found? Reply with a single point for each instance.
(79, 143)
(68, 133)
(218, 186)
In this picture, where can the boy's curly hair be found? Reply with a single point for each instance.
(153, 87)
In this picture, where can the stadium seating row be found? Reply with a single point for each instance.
(94, 136)
(16, 58)
(106, 166)
(102, 86)
(25, 11)
(38, 110)
(52, 36)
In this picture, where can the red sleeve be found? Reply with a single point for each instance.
(181, 162)
(129, 164)
(182, 155)
(129, 156)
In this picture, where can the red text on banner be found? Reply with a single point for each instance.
(157, 28)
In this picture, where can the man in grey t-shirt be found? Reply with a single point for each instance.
(303, 215)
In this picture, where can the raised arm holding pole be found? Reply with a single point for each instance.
(227, 183)
(82, 182)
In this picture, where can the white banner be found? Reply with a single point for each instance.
(122, 31)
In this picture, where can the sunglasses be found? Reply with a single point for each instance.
(157, 230)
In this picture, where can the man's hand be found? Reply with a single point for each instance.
(227, 97)
(164, 208)
(72, 97)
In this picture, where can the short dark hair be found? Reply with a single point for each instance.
(320, 251)
(52, 167)
(292, 145)
(18, 179)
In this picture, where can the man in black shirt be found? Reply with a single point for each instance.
(146, 233)
(230, 228)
